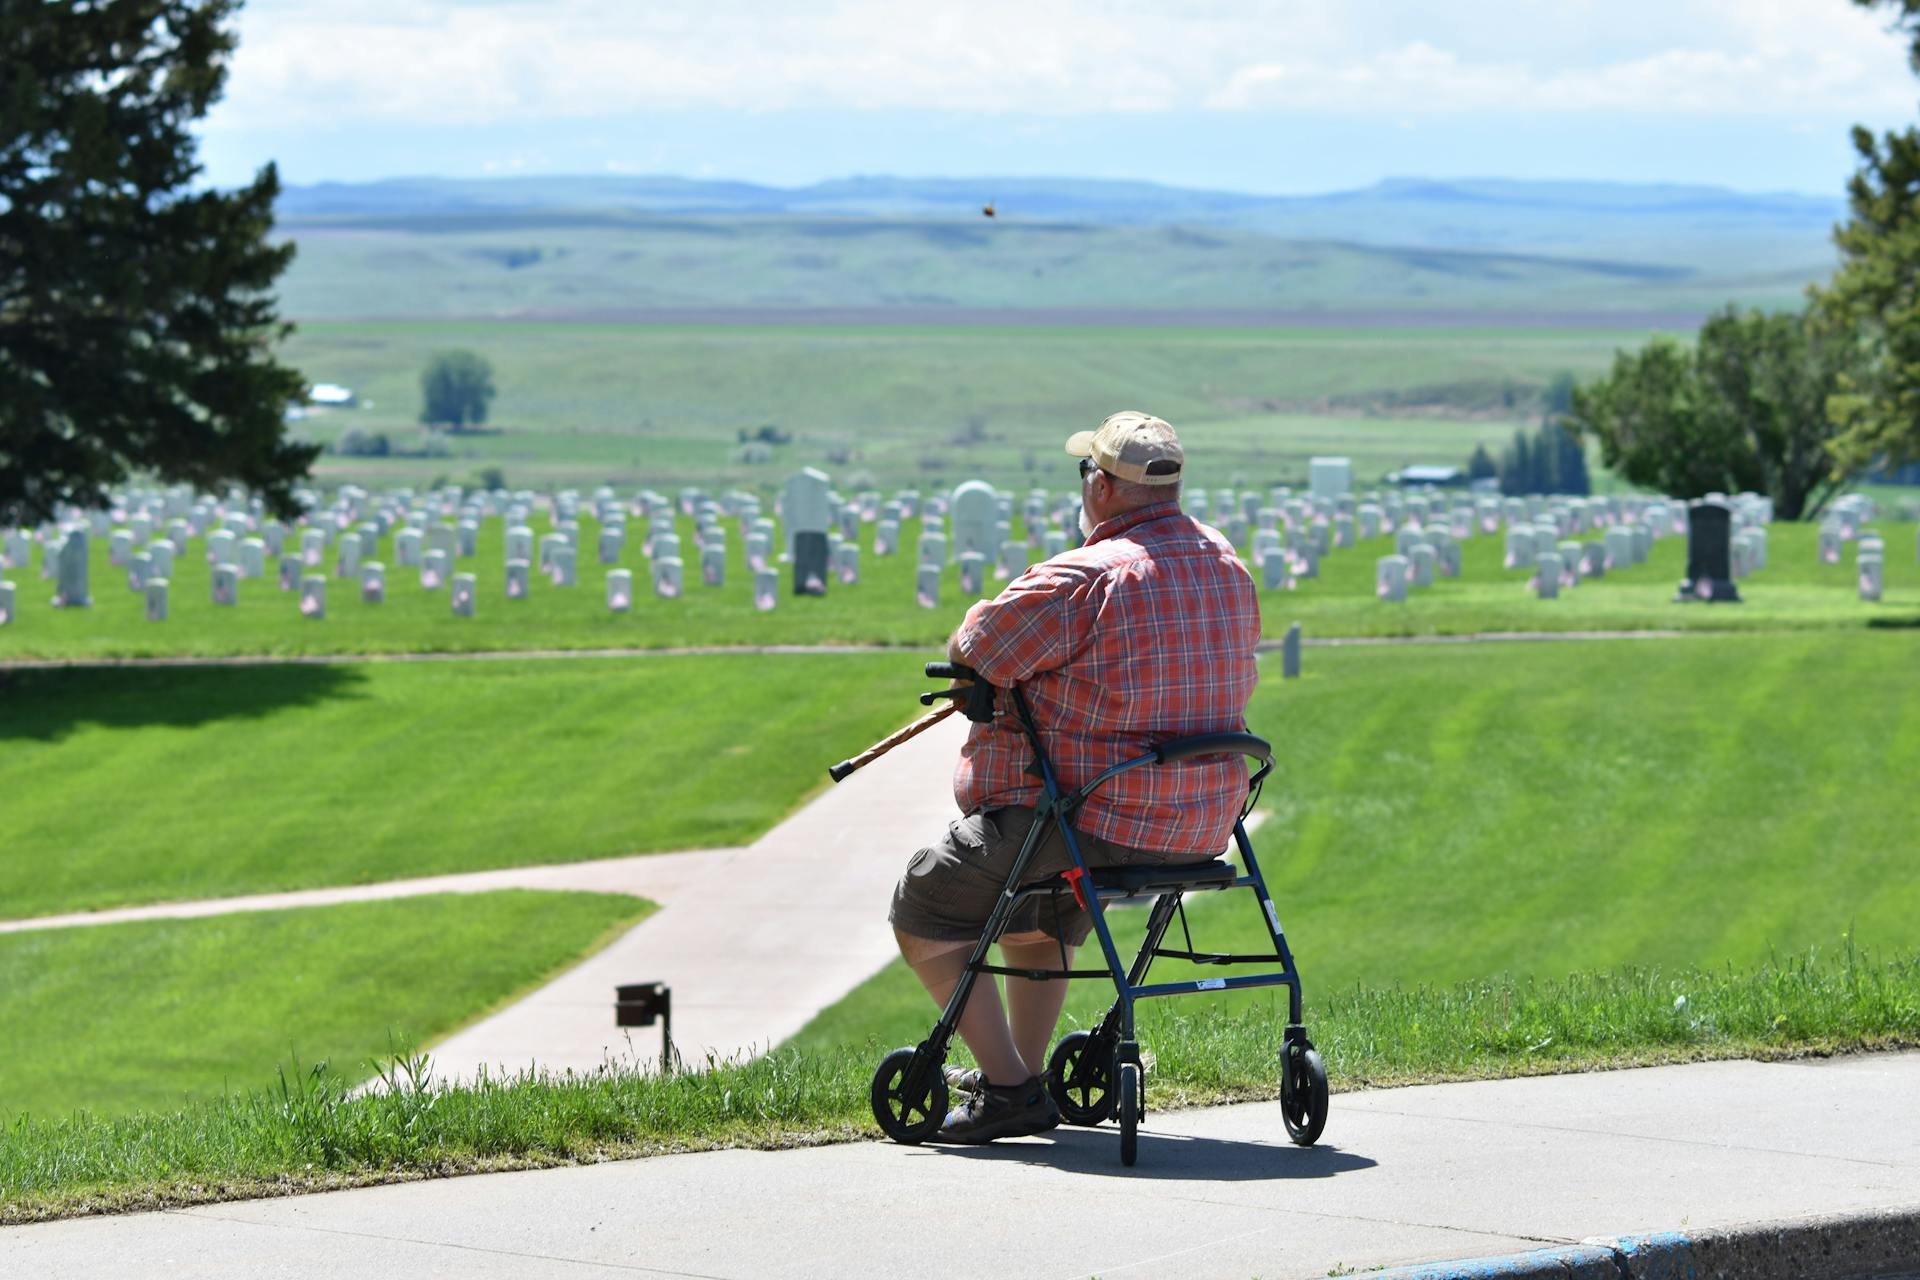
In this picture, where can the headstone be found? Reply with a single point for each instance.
(713, 565)
(766, 589)
(71, 590)
(225, 582)
(373, 582)
(886, 537)
(560, 566)
(806, 504)
(313, 596)
(435, 568)
(119, 547)
(1709, 555)
(619, 590)
(313, 545)
(19, 550)
(1571, 555)
(846, 563)
(926, 587)
(1276, 571)
(1343, 531)
(346, 562)
(1330, 477)
(139, 569)
(1420, 556)
(810, 563)
(1290, 654)
(1013, 560)
(519, 579)
(469, 531)
(933, 549)
(667, 579)
(759, 548)
(408, 548)
(220, 547)
(1642, 542)
(1407, 537)
(1593, 560)
(976, 515)
(1546, 575)
(465, 589)
(253, 558)
(1872, 571)
(1053, 543)
(520, 543)
(1390, 578)
(973, 573)
(1619, 544)
(7, 593)
(612, 542)
(157, 590)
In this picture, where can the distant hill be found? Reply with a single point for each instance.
(1703, 228)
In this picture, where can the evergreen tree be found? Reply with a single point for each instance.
(137, 325)
(1481, 465)
(1516, 467)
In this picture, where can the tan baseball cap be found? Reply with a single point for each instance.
(1133, 446)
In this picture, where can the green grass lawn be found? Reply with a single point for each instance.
(130, 1017)
(1444, 814)
(1795, 591)
(141, 785)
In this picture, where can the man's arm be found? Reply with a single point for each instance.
(1032, 626)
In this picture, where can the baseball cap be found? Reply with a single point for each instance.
(1134, 446)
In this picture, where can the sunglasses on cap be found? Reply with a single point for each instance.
(1087, 468)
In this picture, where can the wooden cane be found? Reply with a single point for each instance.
(840, 771)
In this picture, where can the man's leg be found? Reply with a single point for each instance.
(983, 1025)
(1034, 1006)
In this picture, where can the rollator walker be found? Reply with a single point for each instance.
(1097, 1075)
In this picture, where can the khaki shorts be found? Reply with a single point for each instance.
(953, 885)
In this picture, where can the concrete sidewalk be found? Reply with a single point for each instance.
(755, 944)
(1402, 1176)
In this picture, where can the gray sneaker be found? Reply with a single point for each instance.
(1001, 1111)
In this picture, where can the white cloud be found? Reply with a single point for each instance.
(319, 62)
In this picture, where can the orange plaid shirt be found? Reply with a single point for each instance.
(1144, 634)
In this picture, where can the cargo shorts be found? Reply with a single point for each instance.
(952, 886)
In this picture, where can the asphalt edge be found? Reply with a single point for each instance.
(1828, 1247)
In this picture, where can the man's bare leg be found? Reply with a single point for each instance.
(983, 1024)
(1034, 1007)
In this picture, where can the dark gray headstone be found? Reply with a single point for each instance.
(1709, 555)
(810, 563)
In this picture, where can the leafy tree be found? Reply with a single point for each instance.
(1743, 410)
(1516, 467)
(1875, 295)
(456, 388)
(137, 324)
(1481, 465)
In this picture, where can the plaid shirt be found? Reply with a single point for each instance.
(1143, 635)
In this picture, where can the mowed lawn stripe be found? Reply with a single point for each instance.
(143, 1015)
(130, 786)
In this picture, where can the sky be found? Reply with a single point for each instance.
(1280, 96)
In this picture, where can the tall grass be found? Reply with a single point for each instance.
(311, 1132)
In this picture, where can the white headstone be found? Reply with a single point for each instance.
(71, 591)
(667, 579)
(1872, 571)
(7, 593)
(373, 582)
(619, 590)
(926, 587)
(560, 566)
(806, 504)
(313, 596)
(1546, 575)
(465, 590)
(226, 584)
(713, 565)
(976, 517)
(1390, 578)
(435, 568)
(156, 592)
(1330, 477)
(519, 579)
(766, 589)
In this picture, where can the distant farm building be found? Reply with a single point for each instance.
(1439, 477)
(331, 395)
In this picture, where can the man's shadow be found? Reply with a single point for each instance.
(1168, 1156)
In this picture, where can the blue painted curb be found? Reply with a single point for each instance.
(1856, 1244)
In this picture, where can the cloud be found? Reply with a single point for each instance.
(341, 62)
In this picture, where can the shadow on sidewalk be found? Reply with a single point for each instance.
(1167, 1156)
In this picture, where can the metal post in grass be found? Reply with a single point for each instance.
(638, 1004)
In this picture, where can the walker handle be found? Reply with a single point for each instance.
(950, 671)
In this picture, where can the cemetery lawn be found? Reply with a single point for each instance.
(126, 1018)
(1795, 591)
(135, 785)
(312, 1136)
(1445, 813)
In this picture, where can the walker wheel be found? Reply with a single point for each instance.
(1303, 1095)
(1081, 1082)
(910, 1110)
(1129, 1112)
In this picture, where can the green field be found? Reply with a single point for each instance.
(916, 404)
(131, 1017)
(1453, 813)
(1795, 591)
(144, 785)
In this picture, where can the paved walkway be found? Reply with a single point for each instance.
(757, 943)
(1402, 1176)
